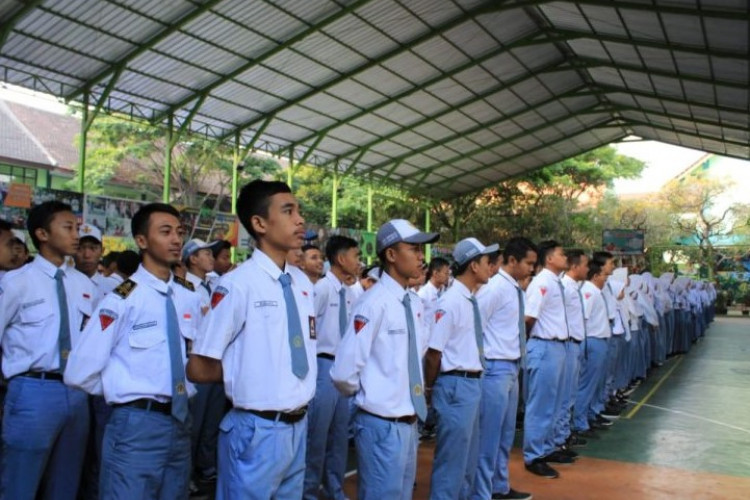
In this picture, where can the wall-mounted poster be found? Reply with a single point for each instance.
(17, 199)
(623, 241)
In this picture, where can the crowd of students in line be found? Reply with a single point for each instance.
(171, 371)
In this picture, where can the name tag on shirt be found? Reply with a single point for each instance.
(142, 326)
(32, 303)
(311, 322)
(266, 303)
(399, 331)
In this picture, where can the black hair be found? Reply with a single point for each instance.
(140, 221)
(436, 264)
(41, 216)
(309, 246)
(255, 198)
(5, 225)
(601, 257)
(338, 244)
(546, 248)
(574, 256)
(223, 245)
(517, 248)
(594, 269)
(128, 262)
(111, 257)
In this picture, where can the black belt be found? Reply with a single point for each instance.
(462, 373)
(148, 405)
(291, 417)
(575, 341)
(43, 375)
(551, 340)
(325, 355)
(407, 419)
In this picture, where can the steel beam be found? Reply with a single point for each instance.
(23, 11)
(146, 46)
(427, 35)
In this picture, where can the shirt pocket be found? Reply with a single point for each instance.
(38, 316)
(146, 338)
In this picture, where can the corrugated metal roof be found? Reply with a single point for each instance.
(442, 96)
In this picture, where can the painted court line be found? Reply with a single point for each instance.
(653, 390)
(698, 417)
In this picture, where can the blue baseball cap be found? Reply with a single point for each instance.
(469, 248)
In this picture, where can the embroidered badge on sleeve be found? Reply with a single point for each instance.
(359, 322)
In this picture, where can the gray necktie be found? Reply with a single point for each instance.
(415, 377)
(176, 363)
(565, 309)
(342, 310)
(63, 335)
(296, 342)
(585, 328)
(521, 326)
(478, 329)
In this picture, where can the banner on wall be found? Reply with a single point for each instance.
(623, 241)
(17, 199)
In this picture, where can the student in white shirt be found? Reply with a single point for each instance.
(43, 306)
(379, 362)
(598, 332)
(453, 368)
(502, 305)
(133, 352)
(328, 426)
(546, 351)
(438, 274)
(578, 266)
(260, 337)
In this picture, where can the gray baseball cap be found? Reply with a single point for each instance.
(397, 230)
(469, 248)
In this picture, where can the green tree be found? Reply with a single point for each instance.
(561, 201)
(131, 152)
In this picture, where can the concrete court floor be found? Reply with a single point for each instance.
(685, 435)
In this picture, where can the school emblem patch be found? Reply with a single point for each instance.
(106, 318)
(359, 322)
(587, 295)
(543, 290)
(218, 296)
(439, 315)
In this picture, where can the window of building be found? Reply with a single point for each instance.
(20, 175)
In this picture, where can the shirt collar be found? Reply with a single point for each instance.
(48, 267)
(194, 279)
(502, 272)
(550, 273)
(462, 289)
(143, 276)
(264, 262)
(393, 286)
(337, 285)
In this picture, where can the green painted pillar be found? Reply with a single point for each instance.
(168, 160)
(369, 208)
(427, 247)
(82, 139)
(235, 187)
(290, 170)
(335, 199)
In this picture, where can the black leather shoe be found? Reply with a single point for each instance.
(540, 468)
(558, 457)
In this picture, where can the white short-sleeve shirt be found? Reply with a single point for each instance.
(498, 304)
(575, 306)
(327, 306)
(372, 360)
(247, 330)
(597, 320)
(124, 350)
(545, 302)
(30, 315)
(453, 331)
